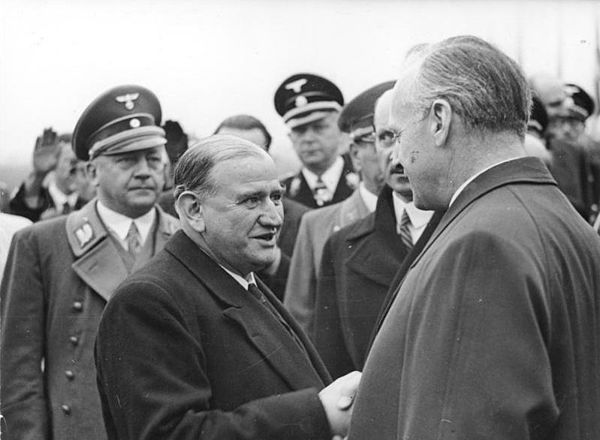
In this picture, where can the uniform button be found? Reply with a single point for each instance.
(74, 340)
(78, 306)
(70, 375)
(66, 409)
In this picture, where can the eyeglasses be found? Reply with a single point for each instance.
(388, 137)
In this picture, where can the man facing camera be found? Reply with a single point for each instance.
(310, 106)
(195, 345)
(494, 331)
(60, 273)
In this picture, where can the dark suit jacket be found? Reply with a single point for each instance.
(495, 331)
(297, 188)
(357, 268)
(17, 205)
(59, 275)
(183, 351)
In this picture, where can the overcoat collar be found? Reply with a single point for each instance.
(97, 260)
(262, 329)
(378, 257)
(523, 170)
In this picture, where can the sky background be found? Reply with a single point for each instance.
(207, 60)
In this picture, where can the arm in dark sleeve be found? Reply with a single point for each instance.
(327, 336)
(18, 205)
(22, 343)
(153, 380)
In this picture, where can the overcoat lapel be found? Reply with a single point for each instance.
(379, 257)
(261, 327)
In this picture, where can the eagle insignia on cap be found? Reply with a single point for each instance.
(128, 100)
(84, 234)
(296, 86)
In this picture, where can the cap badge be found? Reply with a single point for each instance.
(128, 100)
(301, 101)
(84, 234)
(134, 123)
(296, 86)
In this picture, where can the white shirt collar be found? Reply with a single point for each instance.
(244, 282)
(368, 197)
(470, 179)
(330, 177)
(119, 224)
(418, 217)
(60, 198)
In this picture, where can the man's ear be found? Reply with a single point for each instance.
(91, 171)
(354, 151)
(189, 208)
(440, 119)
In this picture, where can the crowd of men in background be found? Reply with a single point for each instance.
(113, 194)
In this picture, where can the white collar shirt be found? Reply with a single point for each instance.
(119, 224)
(330, 177)
(368, 197)
(418, 217)
(60, 198)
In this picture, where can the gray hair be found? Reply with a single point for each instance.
(193, 171)
(484, 86)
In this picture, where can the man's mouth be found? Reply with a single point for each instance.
(267, 236)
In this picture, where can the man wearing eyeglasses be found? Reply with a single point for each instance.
(360, 261)
(310, 106)
(494, 331)
(318, 225)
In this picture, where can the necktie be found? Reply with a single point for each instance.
(321, 193)
(257, 293)
(66, 208)
(404, 230)
(133, 240)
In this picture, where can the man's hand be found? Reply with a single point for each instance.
(45, 159)
(337, 400)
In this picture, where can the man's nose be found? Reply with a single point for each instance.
(142, 168)
(272, 215)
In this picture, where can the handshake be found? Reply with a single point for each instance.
(337, 400)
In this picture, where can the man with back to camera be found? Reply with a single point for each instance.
(275, 276)
(194, 345)
(360, 262)
(60, 273)
(494, 331)
(310, 106)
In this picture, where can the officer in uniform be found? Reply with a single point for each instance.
(310, 106)
(61, 273)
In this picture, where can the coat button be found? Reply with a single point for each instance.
(78, 306)
(70, 375)
(66, 409)
(74, 340)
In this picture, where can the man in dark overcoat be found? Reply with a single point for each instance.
(360, 260)
(194, 345)
(494, 332)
